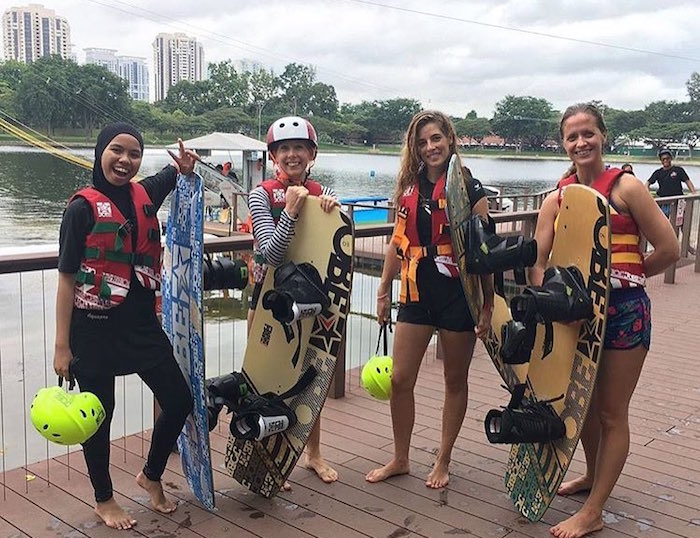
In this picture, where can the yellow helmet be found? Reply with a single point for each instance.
(376, 376)
(66, 419)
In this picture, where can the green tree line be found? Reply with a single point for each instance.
(54, 94)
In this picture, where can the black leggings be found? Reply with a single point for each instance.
(174, 397)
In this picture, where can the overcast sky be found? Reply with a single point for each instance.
(452, 55)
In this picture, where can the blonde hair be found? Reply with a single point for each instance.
(411, 164)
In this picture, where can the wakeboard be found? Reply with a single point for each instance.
(277, 355)
(458, 211)
(564, 360)
(183, 323)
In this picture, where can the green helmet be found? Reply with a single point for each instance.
(66, 419)
(376, 377)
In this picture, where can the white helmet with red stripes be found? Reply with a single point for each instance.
(291, 128)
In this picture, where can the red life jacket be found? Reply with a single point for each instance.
(627, 267)
(276, 192)
(104, 277)
(407, 242)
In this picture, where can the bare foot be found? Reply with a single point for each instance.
(113, 515)
(155, 491)
(286, 486)
(324, 471)
(393, 468)
(439, 477)
(578, 525)
(582, 483)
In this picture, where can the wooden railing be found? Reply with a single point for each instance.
(516, 222)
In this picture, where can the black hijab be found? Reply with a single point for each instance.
(121, 196)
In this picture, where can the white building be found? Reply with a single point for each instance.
(33, 31)
(135, 71)
(107, 58)
(176, 57)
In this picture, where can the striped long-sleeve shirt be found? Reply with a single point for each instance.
(272, 241)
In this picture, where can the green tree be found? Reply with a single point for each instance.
(264, 87)
(231, 120)
(226, 86)
(46, 94)
(668, 112)
(12, 73)
(188, 97)
(385, 121)
(524, 120)
(7, 99)
(100, 97)
(322, 101)
(476, 128)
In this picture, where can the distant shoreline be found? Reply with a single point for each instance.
(396, 150)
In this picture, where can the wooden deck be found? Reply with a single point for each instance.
(658, 495)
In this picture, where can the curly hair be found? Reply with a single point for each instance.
(411, 164)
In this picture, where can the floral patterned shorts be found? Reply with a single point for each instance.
(629, 319)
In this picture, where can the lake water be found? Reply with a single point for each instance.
(35, 186)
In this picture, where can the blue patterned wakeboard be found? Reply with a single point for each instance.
(183, 323)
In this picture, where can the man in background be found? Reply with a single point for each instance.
(670, 179)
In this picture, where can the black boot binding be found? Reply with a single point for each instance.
(298, 293)
(223, 273)
(488, 252)
(259, 417)
(562, 297)
(517, 341)
(524, 421)
(225, 390)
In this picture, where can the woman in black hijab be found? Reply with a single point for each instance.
(106, 324)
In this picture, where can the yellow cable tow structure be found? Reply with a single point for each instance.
(31, 137)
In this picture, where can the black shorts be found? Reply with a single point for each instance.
(256, 296)
(441, 302)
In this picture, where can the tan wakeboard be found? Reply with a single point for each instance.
(276, 358)
(564, 362)
(459, 210)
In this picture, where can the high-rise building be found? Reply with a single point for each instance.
(132, 69)
(135, 71)
(33, 31)
(176, 57)
(107, 58)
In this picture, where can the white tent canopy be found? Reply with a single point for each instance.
(253, 163)
(223, 142)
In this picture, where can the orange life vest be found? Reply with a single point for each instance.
(104, 277)
(408, 247)
(627, 267)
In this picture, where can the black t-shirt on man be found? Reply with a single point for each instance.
(670, 181)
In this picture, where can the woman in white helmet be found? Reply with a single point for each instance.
(275, 206)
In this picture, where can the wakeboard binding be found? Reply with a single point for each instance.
(226, 390)
(255, 416)
(524, 421)
(563, 297)
(517, 341)
(298, 293)
(487, 252)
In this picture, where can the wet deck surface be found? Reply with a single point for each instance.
(658, 495)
